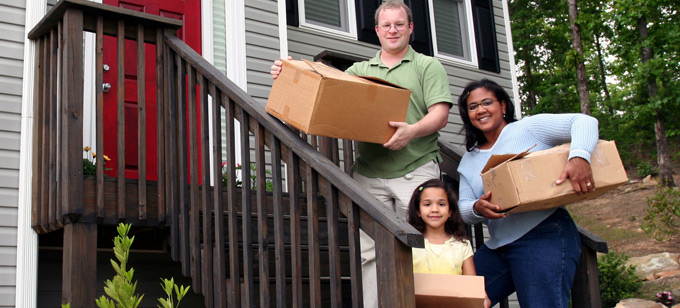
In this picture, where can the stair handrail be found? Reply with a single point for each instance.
(401, 229)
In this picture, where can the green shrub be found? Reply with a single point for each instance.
(617, 281)
(645, 168)
(663, 213)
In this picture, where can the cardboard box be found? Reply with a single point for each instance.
(460, 291)
(324, 101)
(526, 181)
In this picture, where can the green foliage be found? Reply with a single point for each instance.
(253, 177)
(645, 168)
(67, 305)
(663, 214)
(121, 289)
(618, 79)
(617, 280)
(88, 167)
(168, 285)
(90, 163)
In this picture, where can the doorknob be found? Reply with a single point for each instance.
(106, 67)
(106, 87)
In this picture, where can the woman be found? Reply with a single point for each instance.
(533, 253)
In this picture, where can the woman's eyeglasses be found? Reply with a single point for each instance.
(485, 102)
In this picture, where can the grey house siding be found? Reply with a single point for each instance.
(262, 46)
(11, 70)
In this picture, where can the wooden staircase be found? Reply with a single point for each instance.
(296, 246)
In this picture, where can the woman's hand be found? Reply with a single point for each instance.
(581, 176)
(276, 68)
(487, 302)
(485, 208)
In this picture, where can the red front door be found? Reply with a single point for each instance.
(187, 11)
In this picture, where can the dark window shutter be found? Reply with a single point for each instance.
(421, 40)
(292, 18)
(485, 35)
(365, 10)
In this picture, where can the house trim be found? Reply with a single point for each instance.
(469, 38)
(235, 27)
(511, 59)
(283, 30)
(27, 240)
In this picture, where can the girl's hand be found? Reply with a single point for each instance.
(487, 302)
(581, 176)
(487, 209)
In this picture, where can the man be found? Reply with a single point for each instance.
(393, 170)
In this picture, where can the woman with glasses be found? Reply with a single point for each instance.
(533, 253)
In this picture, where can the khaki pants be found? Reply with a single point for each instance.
(395, 194)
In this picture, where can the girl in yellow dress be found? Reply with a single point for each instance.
(433, 211)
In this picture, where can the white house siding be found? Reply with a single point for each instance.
(11, 70)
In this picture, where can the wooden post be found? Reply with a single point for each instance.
(72, 115)
(394, 265)
(79, 270)
(586, 290)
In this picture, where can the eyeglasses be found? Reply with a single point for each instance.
(485, 102)
(398, 26)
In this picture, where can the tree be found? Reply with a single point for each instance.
(581, 75)
(546, 79)
(648, 38)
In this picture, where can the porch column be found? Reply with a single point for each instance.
(79, 280)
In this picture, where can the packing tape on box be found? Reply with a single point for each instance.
(298, 72)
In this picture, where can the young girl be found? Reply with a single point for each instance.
(433, 211)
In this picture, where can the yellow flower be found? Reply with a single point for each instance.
(94, 154)
(106, 158)
(86, 149)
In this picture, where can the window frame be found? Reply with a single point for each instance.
(468, 34)
(351, 20)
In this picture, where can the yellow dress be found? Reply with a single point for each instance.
(444, 258)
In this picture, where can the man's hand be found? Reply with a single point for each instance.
(401, 137)
(276, 68)
(435, 119)
(581, 176)
(486, 209)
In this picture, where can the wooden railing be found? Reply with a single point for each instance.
(221, 234)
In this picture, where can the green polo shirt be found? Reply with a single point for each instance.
(426, 78)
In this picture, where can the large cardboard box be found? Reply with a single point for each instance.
(460, 291)
(324, 101)
(526, 181)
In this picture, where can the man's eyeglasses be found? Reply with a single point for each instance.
(485, 102)
(398, 26)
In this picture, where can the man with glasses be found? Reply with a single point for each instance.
(393, 170)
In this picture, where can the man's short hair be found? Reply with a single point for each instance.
(393, 4)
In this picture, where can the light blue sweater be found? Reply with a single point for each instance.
(544, 130)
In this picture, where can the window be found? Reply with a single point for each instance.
(452, 28)
(330, 15)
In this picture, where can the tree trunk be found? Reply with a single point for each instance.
(662, 155)
(603, 77)
(531, 99)
(581, 76)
